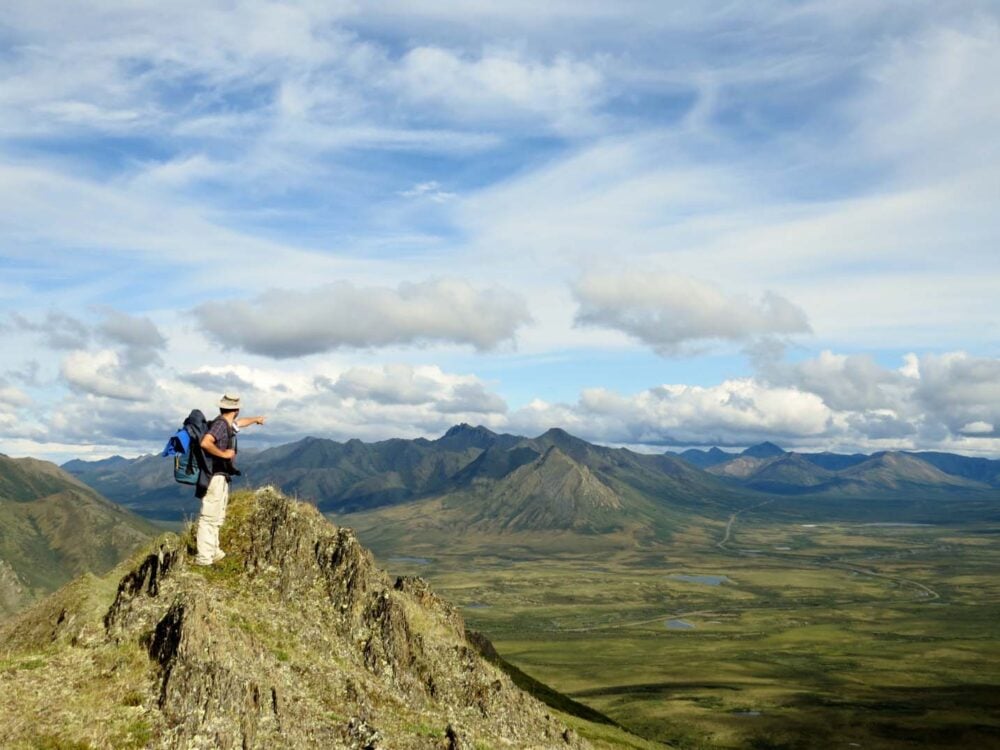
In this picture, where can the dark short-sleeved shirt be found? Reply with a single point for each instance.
(222, 433)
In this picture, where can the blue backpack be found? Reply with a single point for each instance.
(185, 447)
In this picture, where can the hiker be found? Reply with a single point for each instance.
(219, 445)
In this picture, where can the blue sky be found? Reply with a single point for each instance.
(649, 223)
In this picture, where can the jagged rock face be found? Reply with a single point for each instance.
(298, 640)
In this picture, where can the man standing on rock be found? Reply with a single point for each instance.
(219, 445)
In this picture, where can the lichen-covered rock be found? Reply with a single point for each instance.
(297, 639)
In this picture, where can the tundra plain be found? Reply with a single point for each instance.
(788, 625)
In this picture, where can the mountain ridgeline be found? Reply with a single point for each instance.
(580, 483)
(767, 468)
(555, 482)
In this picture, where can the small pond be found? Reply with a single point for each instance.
(679, 625)
(707, 580)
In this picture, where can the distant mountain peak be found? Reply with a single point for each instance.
(555, 432)
(559, 436)
(464, 435)
(766, 449)
(465, 428)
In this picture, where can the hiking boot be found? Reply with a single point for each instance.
(218, 556)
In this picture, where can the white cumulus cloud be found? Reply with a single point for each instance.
(284, 324)
(668, 312)
(102, 373)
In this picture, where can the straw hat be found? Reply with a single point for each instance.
(229, 401)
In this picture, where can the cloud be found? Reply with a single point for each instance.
(978, 428)
(12, 398)
(831, 402)
(119, 372)
(223, 381)
(59, 330)
(735, 412)
(102, 373)
(931, 103)
(429, 191)
(121, 425)
(959, 390)
(139, 337)
(500, 85)
(285, 324)
(406, 385)
(848, 382)
(668, 312)
(932, 397)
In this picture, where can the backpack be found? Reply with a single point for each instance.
(185, 447)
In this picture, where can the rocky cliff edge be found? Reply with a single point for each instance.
(296, 639)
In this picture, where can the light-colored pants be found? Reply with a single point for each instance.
(213, 513)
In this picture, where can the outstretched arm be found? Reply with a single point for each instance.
(247, 421)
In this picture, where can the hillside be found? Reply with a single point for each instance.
(553, 492)
(296, 640)
(54, 528)
(900, 471)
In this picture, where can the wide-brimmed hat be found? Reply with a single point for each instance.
(229, 401)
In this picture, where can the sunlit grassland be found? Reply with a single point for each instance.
(824, 634)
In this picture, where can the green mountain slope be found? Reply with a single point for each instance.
(553, 492)
(53, 528)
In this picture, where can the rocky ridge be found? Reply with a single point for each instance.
(296, 639)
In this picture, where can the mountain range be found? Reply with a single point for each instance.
(474, 462)
(768, 468)
(487, 481)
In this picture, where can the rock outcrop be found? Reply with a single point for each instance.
(296, 639)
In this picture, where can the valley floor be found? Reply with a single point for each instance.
(765, 631)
